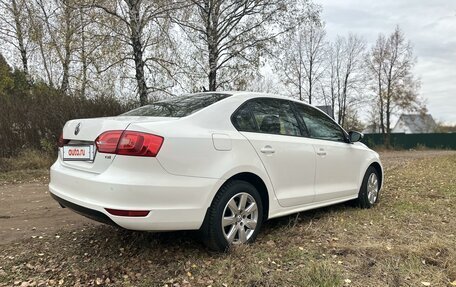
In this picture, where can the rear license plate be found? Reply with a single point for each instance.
(78, 152)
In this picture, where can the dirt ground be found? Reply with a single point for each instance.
(27, 210)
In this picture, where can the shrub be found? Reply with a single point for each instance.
(32, 114)
(28, 159)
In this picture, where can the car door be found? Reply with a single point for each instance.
(338, 161)
(272, 128)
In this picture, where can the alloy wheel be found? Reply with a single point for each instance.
(239, 218)
(372, 188)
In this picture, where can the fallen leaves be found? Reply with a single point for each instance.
(341, 238)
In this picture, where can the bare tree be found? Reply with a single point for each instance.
(14, 28)
(352, 121)
(375, 62)
(315, 52)
(300, 60)
(352, 73)
(346, 74)
(60, 24)
(265, 83)
(39, 37)
(391, 62)
(333, 80)
(230, 33)
(83, 55)
(92, 45)
(141, 24)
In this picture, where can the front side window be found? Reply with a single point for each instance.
(271, 116)
(177, 106)
(319, 125)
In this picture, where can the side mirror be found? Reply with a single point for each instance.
(355, 136)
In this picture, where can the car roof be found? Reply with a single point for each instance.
(251, 95)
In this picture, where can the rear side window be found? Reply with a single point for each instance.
(243, 120)
(319, 125)
(177, 106)
(271, 116)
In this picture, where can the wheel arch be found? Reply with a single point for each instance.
(259, 184)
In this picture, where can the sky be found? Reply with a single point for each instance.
(430, 25)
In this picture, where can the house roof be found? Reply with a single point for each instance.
(416, 123)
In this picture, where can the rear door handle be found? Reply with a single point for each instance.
(267, 150)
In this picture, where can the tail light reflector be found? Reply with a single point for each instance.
(107, 141)
(128, 213)
(129, 143)
(61, 142)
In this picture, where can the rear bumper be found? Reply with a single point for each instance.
(87, 212)
(134, 183)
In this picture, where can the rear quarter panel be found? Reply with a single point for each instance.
(188, 147)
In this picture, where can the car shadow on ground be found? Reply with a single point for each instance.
(108, 240)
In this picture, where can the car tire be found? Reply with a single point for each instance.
(369, 192)
(234, 217)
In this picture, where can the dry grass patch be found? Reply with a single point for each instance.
(407, 239)
(28, 166)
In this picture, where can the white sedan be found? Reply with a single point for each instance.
(219, 162)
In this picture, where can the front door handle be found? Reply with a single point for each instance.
(267, 150)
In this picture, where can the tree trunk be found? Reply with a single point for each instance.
(310, 79)
(45, 63)
(212, 33)
(382, 119)
(300, 78)
(68, 11)
(66, 64)
(139, 70)
(20, 38)
(83, 55)
(380, 97)
(388, 130)
(212, 72)
(310, 92)
(389, 95)
(135, 37)
(388, 109)
(343, 106)
(65, 78)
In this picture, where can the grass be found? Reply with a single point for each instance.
(28, 166)
(408, 239)
(23, 176)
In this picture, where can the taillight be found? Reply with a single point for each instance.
(128, 213)
(107, 141)
(129, 143)
(61, 142)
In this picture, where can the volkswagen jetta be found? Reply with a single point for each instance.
(219, 162)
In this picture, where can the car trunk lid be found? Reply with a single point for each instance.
(82, 133)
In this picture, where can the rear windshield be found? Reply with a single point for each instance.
(177, 106)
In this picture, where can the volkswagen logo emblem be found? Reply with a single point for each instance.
(77, 129)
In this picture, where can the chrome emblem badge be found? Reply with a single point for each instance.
(77, 129)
